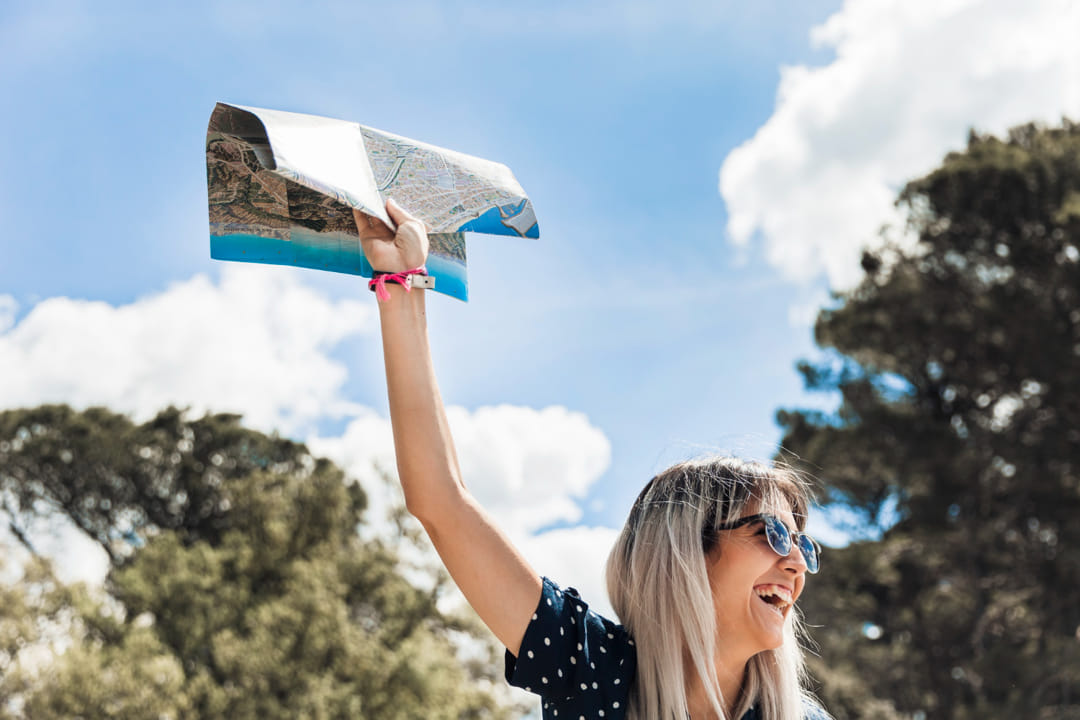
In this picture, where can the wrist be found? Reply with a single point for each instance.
(416, 277)
(392, 268)
(402, 304)
(398, 264)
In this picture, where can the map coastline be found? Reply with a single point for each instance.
(343, 256)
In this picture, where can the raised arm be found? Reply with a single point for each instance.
(495, 579)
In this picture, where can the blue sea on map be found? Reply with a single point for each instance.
(343, 257)
(493, 222)
(449, 276)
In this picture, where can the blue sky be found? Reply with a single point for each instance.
(666, 302)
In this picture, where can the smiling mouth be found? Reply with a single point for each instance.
(776, 597)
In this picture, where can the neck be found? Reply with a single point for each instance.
(729, 681)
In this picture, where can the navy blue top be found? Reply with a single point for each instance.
(581, 664)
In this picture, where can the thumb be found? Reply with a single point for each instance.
(398, 213)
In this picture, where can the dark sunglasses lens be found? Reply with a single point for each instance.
(809, 553)
(780, 541)
(778, 536)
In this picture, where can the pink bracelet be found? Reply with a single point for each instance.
(417, 277)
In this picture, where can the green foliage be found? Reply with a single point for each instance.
(240, 587)
(957, 366)
(114, 478)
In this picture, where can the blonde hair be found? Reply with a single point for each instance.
(657, 582)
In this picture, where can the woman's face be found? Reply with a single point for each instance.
(754, 589)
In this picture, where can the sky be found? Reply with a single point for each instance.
(704, 174)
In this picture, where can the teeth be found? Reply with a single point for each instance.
(775, 591)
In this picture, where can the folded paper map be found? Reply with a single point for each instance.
(282, 187)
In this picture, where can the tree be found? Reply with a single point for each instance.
(114, 479)
(239, 588)
(957, 441)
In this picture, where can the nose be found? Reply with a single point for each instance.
(794, 562)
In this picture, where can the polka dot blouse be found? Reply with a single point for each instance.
(581, 664)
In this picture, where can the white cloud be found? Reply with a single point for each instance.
(365, 450)
(257, 343)
(529, 468)
(75, 557)
(804, 312)
(574, 557)
(910, 78)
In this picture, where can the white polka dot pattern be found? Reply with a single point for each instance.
(579, 662)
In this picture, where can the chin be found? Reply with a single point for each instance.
(771, 643)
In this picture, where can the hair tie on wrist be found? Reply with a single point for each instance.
(408, 279)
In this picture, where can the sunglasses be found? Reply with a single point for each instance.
(780, 538)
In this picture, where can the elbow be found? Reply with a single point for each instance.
(434, 507)
(418, 507)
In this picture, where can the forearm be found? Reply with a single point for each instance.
(426, 459)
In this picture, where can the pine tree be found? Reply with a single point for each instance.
(957, 445)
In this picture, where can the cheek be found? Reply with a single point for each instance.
(735, 572)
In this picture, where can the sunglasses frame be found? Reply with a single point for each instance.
(775, 532)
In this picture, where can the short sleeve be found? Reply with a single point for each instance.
(580, 663)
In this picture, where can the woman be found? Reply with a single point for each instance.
(705, 574)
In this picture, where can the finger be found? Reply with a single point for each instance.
(398, 214)
(368, 226)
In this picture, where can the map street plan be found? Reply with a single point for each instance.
(282, 187)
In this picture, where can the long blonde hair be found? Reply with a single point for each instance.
(657, 582)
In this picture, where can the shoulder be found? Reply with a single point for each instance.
(573, 657)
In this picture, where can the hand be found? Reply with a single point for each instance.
(389, 251)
